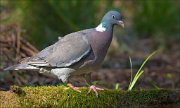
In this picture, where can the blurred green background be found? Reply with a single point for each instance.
(43, 21)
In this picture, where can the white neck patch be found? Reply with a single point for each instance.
(100, 28)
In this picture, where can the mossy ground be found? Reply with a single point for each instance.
(58, 96)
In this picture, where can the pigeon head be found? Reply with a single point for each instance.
(113, 18)
(110, 19)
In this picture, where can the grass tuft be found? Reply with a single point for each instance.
(139, 72)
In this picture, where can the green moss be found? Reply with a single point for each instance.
(8, 99)
(58, 96)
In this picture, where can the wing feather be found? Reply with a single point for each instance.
(66, 52)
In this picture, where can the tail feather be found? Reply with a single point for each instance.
(21, 67)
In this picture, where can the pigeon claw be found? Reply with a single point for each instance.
(74, 88)
(95, 89)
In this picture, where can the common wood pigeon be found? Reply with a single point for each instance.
(76, 54)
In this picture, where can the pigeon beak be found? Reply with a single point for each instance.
(121, 23)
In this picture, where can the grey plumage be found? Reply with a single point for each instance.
(76, 54)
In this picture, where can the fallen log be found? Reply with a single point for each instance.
(60, 96)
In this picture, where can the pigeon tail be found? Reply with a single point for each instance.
(21, 67)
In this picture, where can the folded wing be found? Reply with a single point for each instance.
(66, 52)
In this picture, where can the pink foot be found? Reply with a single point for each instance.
(95, 89)
(74, 88)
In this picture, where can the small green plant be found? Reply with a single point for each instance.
(155, 86)
(139, 72)
(117, 86)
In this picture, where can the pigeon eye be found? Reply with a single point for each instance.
(113, 16)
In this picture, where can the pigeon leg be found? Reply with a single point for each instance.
(92, 87)
(95, 89)
(74, 88)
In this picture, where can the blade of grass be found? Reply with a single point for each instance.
(145, 62)
(134, 80)
(139, 72)
(131, 70)
(117, 86)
